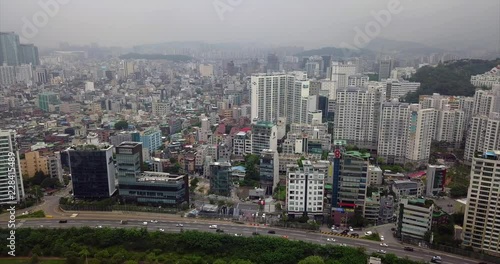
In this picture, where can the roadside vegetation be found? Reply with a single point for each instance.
(36, 214)
(133, 246)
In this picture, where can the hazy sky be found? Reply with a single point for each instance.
(311, 23)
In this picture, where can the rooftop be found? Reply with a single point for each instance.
(363, 155)
(151, 176)
(264, 124)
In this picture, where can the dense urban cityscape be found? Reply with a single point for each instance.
(190, 152)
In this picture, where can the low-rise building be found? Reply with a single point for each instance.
(414, 218)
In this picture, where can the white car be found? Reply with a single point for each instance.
(238, 235)
(343, 245)
(368, 233)
(350, 229)
(383, 245)
(381, 251)
(331, 240)
(179, 225)
(154, 221)
(161, 230)
(98, 226)
(213, 227)
(145, 223)
(381, 238)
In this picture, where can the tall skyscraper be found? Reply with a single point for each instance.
(357, 114)
(269, 96)
(450, 125)
(9, 48)
(481, 224)
(92, 171)
(384, 69)
(28, 54)
(393, 133)
(422, 129)
(298, 102)
(11, 180)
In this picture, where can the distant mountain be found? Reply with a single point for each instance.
(381, 45)
(335, 52)
(137, 56)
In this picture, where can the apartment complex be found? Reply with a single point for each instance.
(264, 136)
(357, 114)
(484, 134)
(481, 228)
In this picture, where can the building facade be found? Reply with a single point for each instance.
(11, 180)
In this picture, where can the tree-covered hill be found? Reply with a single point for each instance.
(450, 78)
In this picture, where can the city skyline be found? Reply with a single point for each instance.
(221, 21)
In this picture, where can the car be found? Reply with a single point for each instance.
(41, 225)
(345, 232)
(393, 229)
(98, 226)
(271, 232)
(213, 227)
(238, 235)
(381, 238)
(285, 237)
(381, 251)
(154, 221)
(436, 259)
(351, 230)
(408, 248)
(63, 221)
(161, 229)
(383, 245)
(179, 225)
(354, 235)
(367, 233)
(219, 230)
(145, 223)
(255, 233)
(331, 240)
(343, 245)
(123, 222)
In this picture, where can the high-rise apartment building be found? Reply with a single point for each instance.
(400, 88)
(298, 102)
(92, 171)
(305, 186)
(269, 96)
(393, 132)
(450, 125)
(422, 131)
(357, 114)
(341, 72)
(7, 75)
(484, 134)
(414, 218)
(481, 228)
(11, 180)
(33, 163)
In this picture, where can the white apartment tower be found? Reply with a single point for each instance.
(450, 125)
(393, 133)
(481, 228)
(298, 102)
(357, 113)
(269, 96)
(11, 181)
(421, 133)
(483, 134)
(341, 72)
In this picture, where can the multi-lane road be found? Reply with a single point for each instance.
(232, 229)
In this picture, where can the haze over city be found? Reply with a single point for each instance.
(449, 24)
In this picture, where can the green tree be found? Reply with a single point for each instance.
(357, 220)
(251, 168)
(120, 125)
(312, 260)
(193, 184)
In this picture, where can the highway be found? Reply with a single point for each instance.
(232, 228)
